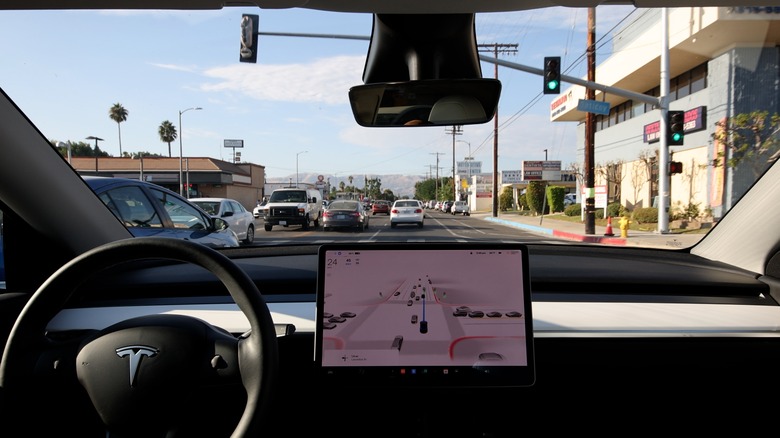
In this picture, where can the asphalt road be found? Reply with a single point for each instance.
(438, 227)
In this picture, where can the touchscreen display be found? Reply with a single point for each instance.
(424, 315)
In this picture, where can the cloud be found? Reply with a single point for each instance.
(323, 80)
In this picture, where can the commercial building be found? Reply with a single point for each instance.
(711, 79)
(201, 176)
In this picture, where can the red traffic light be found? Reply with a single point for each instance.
(675, 167)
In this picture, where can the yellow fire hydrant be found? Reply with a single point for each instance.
(624, 226)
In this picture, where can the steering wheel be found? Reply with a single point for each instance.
(137, 372)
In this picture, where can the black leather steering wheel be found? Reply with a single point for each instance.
(138, 371)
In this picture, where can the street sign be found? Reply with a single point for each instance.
(593, 106)
(234, 143)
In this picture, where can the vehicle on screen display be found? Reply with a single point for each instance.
(120, 318)
(345, 214)
(147, 209)
(239, 219)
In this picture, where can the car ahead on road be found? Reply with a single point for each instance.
(380, 207)
(231, 211)
(293, 206)
(109, 335)
(460, 207)
(407, 212)
(147, 209)
(343, 213)
(259, 209)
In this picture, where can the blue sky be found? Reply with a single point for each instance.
(157, 63)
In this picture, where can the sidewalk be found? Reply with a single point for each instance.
(576, 231)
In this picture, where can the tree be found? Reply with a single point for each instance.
(167, 134)
(534, 195)
(425, 189)
(118, 113)
(750, 138)
(506, 200)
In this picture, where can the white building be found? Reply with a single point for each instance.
(711, 78)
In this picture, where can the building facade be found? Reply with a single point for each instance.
(711, 79)
(200, 176)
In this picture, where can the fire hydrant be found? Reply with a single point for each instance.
(624, 226)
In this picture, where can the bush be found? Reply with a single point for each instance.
(615, 209)
(573, 210)
(555, 197)
(645, 215)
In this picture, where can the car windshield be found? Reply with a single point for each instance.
(580, 159)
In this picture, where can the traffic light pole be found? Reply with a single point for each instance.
(664, 182)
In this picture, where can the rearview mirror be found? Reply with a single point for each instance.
(434, 102)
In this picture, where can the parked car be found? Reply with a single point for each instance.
(345, 214)
(147, 209)
(407, 211)
(569, 199)
(446, 206)
(460, 207)
(380, 207)
(105, 334)
(233, 212)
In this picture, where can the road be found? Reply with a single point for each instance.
(438, 227)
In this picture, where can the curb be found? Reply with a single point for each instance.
(561, 234)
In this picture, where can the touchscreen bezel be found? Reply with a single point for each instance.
(482, 373)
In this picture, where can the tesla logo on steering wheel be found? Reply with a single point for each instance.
(136, 352)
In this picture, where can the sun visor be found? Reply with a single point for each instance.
(422, 46)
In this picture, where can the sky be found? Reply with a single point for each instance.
(65, 69)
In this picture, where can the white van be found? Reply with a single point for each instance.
(293, 206)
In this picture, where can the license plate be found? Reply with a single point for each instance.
(340, 217)
(282, 222)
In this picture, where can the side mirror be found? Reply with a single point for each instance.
(220, 224)
(313, 200)
(434, 102)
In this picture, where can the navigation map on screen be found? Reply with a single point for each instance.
(430, 313)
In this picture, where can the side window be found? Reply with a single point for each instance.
(182, 214)
(237, 208)
(132, 207)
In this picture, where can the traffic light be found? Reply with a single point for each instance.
(675, 127)
(249, 25)
(552, 75)
(675, 167)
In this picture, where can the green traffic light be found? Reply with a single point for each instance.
(552, 85)
(677, 136)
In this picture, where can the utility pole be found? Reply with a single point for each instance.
(437, 173)
(455, 130)
(590, 129)
(496, 49)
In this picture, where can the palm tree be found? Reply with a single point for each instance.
(118, 113)
(350, 179)
(167, 134)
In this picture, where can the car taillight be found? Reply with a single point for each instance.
(418, 210)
